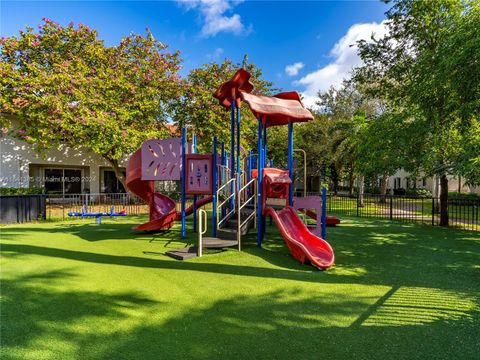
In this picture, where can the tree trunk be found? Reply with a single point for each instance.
(383, 188)
(118, 173)
(443, 200)
(335, 179)
(351, 180)
(361, 190)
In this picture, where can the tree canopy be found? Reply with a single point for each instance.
(63, 85)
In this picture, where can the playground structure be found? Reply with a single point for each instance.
(97, 215)
(242, 189)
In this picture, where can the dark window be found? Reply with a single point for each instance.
(63, 181)
(111, 183)
(73, 181)
(397, 183)
(54, 181)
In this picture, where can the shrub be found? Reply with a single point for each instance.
(22, 191)
(423, 193)
(463, 196)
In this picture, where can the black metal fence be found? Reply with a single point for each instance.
(462, 213)
(58, 206)
(22, 208)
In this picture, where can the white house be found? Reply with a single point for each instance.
(60, 171)
(403, 179)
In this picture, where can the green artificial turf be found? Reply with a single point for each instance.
(75, 290)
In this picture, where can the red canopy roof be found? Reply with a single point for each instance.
(278, 110)
(232, 88)
(277, 176)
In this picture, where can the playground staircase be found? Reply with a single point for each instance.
(230, 203)
(229, 229)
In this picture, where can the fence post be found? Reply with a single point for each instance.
(358, 203)
(391, 207)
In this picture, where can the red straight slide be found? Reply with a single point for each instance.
(162, 208)
(302, 244)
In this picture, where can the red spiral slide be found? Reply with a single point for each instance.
(162, 208)
(302, 244)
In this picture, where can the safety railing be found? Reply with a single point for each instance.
(240, 206)
(202, 230)
(230, 184)
(224, 174)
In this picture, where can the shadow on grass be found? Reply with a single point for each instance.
(39, 321)
(367, 252)
(33, 308)
(283, 325)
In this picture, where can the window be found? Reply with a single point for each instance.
(111, 183)
(424, 181)
(397, 183)
(63, 181)
(53, 181)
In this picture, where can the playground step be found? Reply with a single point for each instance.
(183, 254)
(215, 242)
(229, 231)
(207, 242)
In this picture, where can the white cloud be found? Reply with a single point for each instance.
(294, 69)
(345, 58)
(215, 54)
(213, 16)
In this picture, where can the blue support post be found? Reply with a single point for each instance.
(265, 145)
(250, 162)
(232, 150)
(249, 170)
(194, 151)
(184, 147)
(215, 187)
(222, 154)
(223, 173)
(238, 150)
(290, 161)
(324, 213)
(259, 184)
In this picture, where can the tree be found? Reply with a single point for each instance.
(199, 109)
(64, 86)
(347, 111)
(410, 68)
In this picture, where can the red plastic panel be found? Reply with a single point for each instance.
(199, 174)
(162, 159)
(231, 89)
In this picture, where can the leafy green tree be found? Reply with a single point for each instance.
(412, 67)
(62, 85)
(347, 112)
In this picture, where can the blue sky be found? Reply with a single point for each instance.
(303, 46)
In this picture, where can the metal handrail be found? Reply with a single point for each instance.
(202, 214)
(219, 206)
(224, 172)
(240, 207)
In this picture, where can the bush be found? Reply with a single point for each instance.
(372, 190)
(463, 196)
(22, 191)
(423, 193)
